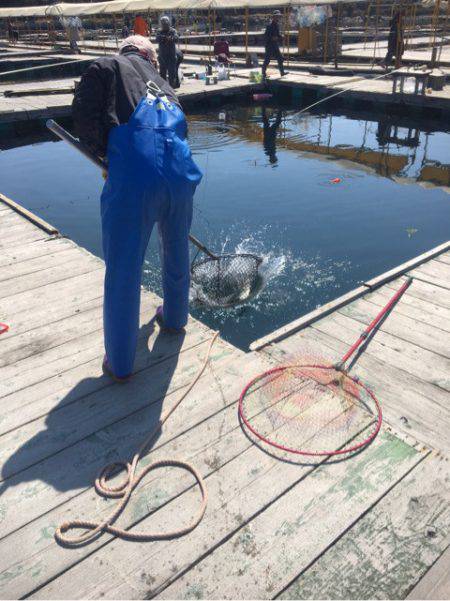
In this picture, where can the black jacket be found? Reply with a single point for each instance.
(272, 31)
(108, 93)
(167, 43)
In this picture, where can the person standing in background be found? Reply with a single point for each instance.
(273, 39)
(167, 38)
(73, 27)
(141, 26)
(126, 29)
(396, 43)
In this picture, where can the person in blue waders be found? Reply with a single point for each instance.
(124, 111)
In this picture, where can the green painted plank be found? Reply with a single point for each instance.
(260, 559)
(390, 549)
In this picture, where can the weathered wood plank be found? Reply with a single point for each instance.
(391, 547)
(62, 357)
(417, 361)
(73, 381)
(268, 551)
(426, 291)
(61, 477)
(405, 267)
(10, 220)
(410, 404)
(31, 217)
(437, 274)
(37, 317)
(413, 307)
(437, 268)
(217, 441)
(37, 264)
(58, 273)
(411, 330)
(79, 414)
(23, 238)
(436, 582)
(56, 291)
(230, 458)
(33, 250)
(35, 342)
(11, 230)
(444, 258)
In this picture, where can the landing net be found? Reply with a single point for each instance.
(310, 410)
(227, 280)
(311, 407)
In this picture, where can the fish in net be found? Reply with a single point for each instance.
(226, 280)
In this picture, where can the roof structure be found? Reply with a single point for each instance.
(133, 6)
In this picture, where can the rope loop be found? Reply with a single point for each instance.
(101, 482)
(124, 489)
(94, 529)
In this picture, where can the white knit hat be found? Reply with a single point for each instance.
(142, 44)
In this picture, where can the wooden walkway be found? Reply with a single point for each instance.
(375, 525)
(45, 106)
(39, 106)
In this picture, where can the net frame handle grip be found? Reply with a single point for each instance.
(62, 133)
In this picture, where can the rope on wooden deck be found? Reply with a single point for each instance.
(124, 490)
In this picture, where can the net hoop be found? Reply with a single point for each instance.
(257, 259)
(354, 448)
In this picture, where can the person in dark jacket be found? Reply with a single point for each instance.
(126, 29)
(167, 38)
(124, 111)
(110, 90)
(273, 39)
(396, 44)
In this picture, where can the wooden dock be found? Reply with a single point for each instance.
(373, 526)
(45, 106)
(58, 101)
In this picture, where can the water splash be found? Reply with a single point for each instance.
(272, 265)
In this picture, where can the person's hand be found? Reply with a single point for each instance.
(104, 174)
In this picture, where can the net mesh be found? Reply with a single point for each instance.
(227, 280)
(310, 409)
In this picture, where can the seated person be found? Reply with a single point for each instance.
(222, 51)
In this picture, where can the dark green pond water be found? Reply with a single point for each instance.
(268, 188)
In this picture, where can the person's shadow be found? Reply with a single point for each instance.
(99, 421)
(270, 131)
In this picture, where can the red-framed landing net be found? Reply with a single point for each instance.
(310, 407)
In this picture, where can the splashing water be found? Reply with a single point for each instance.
(271, 266)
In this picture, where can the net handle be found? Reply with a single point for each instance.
(99, 162)
(202, 247)
(374, 323)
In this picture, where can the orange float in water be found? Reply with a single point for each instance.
(336, 180)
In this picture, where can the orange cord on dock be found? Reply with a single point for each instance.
(125, 489)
